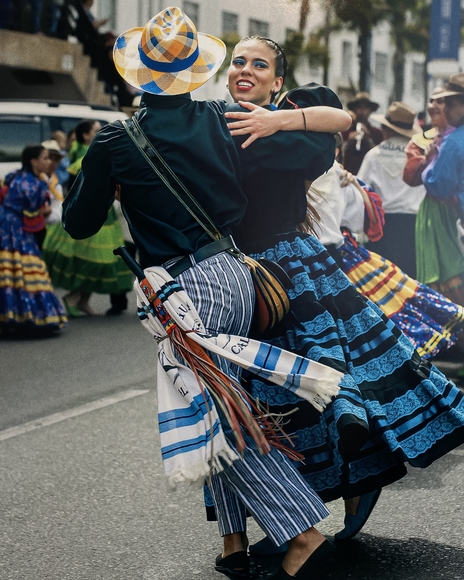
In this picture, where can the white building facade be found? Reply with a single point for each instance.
(272, 18)
(275, 18)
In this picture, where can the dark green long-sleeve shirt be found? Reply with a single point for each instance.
(193, 138)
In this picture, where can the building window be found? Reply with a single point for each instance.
(347, 59)
(380, 68)
(192, 9)
(107, 9)
(152, 8)
(229, 22)
(258, 28)
(417, 81)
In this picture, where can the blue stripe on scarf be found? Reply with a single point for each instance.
(267, 357)
(189, 444)
(184, 417)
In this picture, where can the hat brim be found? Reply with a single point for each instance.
(372, 105)
(424, 138)
(405, 132)
(212, 52)
(444, 94)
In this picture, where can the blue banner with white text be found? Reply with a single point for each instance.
(445, 29)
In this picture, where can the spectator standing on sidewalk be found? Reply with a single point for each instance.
(361, 136)
(62, 169)
(445, 179)
(27, 16)
(382, 169)
(440, 263)
(54, 187)
(5, 13)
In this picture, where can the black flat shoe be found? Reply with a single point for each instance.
(282, 575)
(354, 524)
(322, 554)
(266, 548)
(237, 563)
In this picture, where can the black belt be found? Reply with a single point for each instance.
(207, 251)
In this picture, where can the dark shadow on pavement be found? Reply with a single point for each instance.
(373, 558)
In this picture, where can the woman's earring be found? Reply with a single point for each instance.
(227, 86)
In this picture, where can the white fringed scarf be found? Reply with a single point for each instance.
(192, 440)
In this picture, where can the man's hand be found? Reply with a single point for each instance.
(430, 152)
(45, 210)
(355, 134)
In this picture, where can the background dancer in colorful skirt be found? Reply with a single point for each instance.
(86, 266)
(346, 207)
(393, 407)
(27, 299)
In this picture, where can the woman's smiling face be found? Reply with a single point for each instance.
(251, 75)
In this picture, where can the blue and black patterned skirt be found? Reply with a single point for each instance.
(393, 408)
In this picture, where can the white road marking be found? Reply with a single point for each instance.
(70, 413)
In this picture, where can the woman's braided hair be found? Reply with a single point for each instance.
(281, 63)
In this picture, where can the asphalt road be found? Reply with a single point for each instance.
(83, 497)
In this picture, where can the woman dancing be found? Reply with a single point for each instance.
(393, 407)
(27, 299)
(86, 266)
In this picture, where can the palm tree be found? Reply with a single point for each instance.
(315, 49)
(294, 44)
(418, 36)
(362, 16)
(409, 22)
(304, 14)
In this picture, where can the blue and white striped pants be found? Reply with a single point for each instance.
(268, 486)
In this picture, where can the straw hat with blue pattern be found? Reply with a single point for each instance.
(168, 56)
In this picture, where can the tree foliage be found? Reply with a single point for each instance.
(361, 16)
(409, 24)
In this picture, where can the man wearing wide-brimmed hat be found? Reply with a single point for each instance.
(168, 58)
(56, 199)
(361, 136)
(446, 178)
(382, 168)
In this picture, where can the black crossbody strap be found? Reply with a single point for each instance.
(167, 176)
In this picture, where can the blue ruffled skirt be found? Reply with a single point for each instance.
(393, 407)
(27, 299)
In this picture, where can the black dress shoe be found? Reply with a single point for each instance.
(323, 553)
(237, 563)
(282, 575)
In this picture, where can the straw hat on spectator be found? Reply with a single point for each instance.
(400, 118)
(168, 56)
(53, 148)
(454, 86)
(362, 97)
